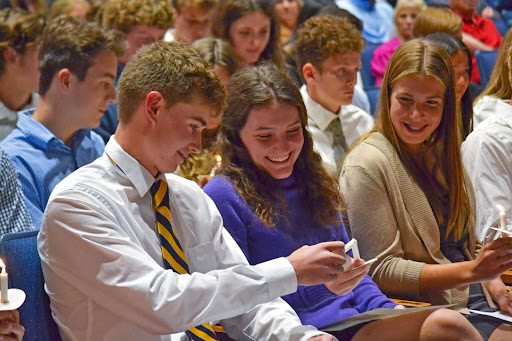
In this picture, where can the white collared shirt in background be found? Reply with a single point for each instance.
(354, 121)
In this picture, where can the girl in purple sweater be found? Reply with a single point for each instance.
(275, 197)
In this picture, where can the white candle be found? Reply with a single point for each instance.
(4, 285)
(218, 158)
(503, 218)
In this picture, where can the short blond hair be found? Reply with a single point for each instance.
(436, 20)
(173, 69)
(124, 15)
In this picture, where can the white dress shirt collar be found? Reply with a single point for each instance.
(316, 112)
(134, 171)
(503, 110)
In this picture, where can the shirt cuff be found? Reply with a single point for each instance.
(280, 276)
(309, 332)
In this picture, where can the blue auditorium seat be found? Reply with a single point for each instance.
(485, 62)
(19, 252)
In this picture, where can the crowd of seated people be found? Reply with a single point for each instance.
(108, 108)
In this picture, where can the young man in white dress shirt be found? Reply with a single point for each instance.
(329, 57)
(99, 244)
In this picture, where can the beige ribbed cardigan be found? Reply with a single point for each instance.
(391, 219)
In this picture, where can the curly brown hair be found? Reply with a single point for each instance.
(322, 37)
(230, 11)
(69, 43)
(18, 30)
(124, 15)
(255, 88)
(173, 69)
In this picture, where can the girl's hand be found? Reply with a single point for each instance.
(348, 280)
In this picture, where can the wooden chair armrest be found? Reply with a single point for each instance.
(410, 304)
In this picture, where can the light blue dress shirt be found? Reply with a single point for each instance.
(377, 21)
(42, 160)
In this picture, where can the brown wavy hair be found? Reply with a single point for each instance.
(230, 11)
(252, 89)
(420, 57)
(204, 5)
(70, 43)
(217, 52)
(19, 30)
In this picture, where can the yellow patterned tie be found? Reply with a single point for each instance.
(172, 253)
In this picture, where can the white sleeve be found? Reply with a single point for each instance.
(487, 160)
(84, 244)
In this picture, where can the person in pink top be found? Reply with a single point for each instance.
(404, 16)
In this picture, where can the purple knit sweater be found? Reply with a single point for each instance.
(315, 305)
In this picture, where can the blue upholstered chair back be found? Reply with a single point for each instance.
(19, 252)
(373, 97)
(485, 62)
(366, 70)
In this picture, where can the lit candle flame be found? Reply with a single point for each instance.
(218, 158)
(499, 207)
(2, 264)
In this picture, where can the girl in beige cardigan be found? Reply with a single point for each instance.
(408, 201)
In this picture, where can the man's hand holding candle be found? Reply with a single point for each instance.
(10, 328)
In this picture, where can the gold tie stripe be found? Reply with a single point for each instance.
(172, 253)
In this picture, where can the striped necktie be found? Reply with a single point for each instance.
(339, 143)
(172, 253)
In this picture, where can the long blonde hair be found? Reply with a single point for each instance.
(500, 84)
(443, 147)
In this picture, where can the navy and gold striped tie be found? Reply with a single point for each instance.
(172, 253)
